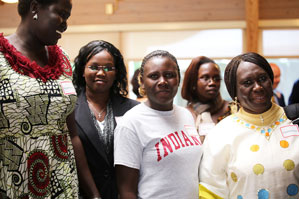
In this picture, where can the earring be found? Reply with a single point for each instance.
(34, 16)
(234, 106)
(141, 91)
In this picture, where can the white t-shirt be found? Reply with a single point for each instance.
(165, 147)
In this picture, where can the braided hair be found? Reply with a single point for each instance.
(159, 53)
(230, 74)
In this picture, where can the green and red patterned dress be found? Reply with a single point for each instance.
(36, 154)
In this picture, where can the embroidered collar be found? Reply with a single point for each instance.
(265, 123)
(263, 119)
(25, 66)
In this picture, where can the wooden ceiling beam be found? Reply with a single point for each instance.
(252, 27)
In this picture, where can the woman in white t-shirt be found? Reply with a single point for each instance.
(157, 149)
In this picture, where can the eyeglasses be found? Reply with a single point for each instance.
(104, 68)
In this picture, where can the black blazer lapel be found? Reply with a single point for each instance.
(85, 123)
(120, 105)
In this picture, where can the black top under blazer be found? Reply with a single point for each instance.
(100, 165)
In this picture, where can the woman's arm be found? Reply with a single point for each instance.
(85, 178)
(127, 181)
(212, 170)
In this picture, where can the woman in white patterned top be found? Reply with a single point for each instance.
(253, 153)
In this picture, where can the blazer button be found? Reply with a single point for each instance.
(106, 174)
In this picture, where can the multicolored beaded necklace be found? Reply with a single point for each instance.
(265, 130)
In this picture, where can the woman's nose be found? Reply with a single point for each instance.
(162, 81)
(257, 86)
(212, 81)
(101, 72)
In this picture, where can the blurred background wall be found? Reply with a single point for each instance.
(220, 29)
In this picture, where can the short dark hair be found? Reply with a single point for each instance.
(120, 84)
(159, 53)
(230, 74)
(24, 5)
(189, 91)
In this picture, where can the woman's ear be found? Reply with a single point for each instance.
(141, 89)
(34, 7)
(140, 79)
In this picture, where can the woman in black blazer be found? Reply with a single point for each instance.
(100, 78)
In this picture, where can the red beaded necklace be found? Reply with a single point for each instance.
(24, 66)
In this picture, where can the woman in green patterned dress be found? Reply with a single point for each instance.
(39, 144)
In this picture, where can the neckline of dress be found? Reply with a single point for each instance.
(274, 117)
(24, 66)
